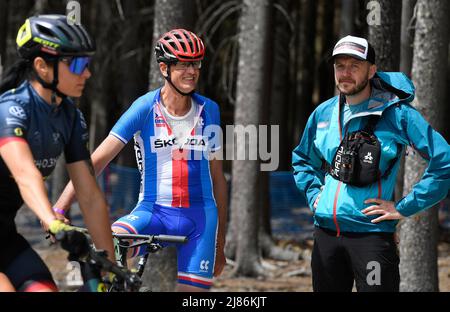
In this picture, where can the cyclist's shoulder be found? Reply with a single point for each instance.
(14, 106)
(209, 106)
(17, 96)
(145, 102)
(203, 100)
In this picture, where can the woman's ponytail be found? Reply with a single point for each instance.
(15, 75)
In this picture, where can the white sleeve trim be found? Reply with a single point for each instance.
(119, 137)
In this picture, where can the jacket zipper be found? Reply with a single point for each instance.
(336, 196)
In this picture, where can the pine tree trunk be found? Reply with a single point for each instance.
(4, 29)
(385, 37)
(17, 12)
(98, 94)
(280, 81)
(327, 40)
(406, 56)
(245, 204)
(169, 14)
(418, 234)
(133, 53)
(306, 64)
(265, 113)
(348, 11)
(407, 36)
(40, 6)
(161, 270)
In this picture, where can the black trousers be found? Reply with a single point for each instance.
(369, 259)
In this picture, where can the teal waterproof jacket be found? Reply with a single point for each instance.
(400, 125)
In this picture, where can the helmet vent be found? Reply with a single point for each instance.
(66, 34)
(47, 33)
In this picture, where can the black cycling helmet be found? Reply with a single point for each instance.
(54, 36)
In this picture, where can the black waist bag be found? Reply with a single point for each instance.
(357, 159)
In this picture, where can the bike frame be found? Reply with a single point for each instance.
(152, 243)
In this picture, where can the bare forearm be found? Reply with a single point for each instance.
(34, 194)
(67, 197)
(96, 218)
(92, 204)
(101, 157)
(221, 196)
(17, 156)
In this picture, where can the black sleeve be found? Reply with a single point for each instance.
(13, 120)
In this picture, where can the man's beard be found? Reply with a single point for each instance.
(357, 89)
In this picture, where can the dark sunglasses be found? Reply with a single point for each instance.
(77, 64)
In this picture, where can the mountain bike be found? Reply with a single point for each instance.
(93, 262)
(152, 244)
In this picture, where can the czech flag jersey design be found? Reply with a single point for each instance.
(173, 174)
(176, 194)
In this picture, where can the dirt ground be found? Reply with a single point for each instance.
(293, 276)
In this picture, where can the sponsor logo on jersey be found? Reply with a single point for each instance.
(18, 112)
(82, 121)
(14, 121)
(159, 121)
(196, 142)
(46, 163)
(37, 138)
(204, 265)
(18, 132)
(132, 218)
(56, 137)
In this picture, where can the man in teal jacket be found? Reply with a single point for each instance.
(354, 225)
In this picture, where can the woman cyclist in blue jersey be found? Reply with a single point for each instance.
(38, 122)
(183, 190)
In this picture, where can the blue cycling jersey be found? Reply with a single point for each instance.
(173, 174)
(176, 195)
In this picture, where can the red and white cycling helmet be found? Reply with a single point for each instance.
(179, 45)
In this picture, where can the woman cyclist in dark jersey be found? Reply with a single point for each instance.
(38, 122)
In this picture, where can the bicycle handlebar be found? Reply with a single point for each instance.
(153, 238)
(74, 242)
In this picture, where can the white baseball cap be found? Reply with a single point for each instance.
(355, 47)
